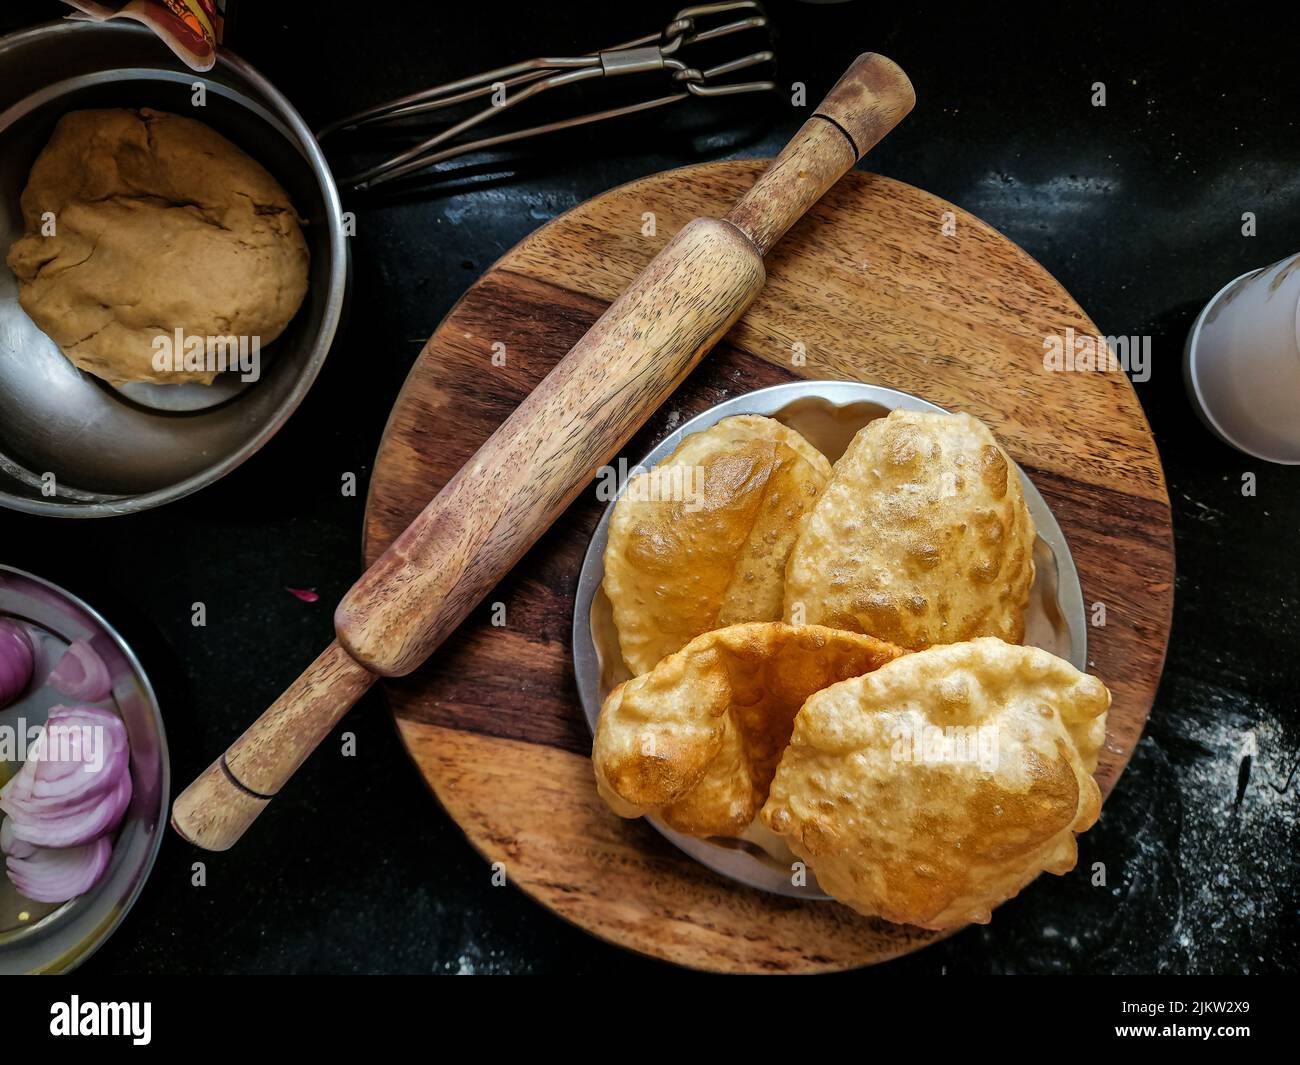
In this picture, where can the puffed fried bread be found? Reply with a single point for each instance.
(698, 738)
(934, 788)
(701, 541)
(921, 537)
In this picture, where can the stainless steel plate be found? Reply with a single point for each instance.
(44, 938)
(113, 451)
(829, 414)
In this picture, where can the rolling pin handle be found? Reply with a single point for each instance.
(872, 97)
(215, 810)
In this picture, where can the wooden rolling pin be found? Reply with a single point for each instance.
(545, 453)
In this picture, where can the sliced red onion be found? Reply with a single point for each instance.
(81, 674)
(95, 744)
(19, 848)
(17, 660)
(56, 874)
(76, 782)
(48, 649)
(75, 825)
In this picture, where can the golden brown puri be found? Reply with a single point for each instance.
(920, 537)
(160, 224)
(698, 738)
(936, 787)
(701, 540)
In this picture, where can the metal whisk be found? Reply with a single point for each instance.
(666, 52)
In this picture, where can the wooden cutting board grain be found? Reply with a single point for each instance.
(880, 283)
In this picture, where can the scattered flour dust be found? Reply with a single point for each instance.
(1233, 860)
(473, 960)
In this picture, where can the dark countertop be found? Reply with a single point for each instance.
(1135, 207)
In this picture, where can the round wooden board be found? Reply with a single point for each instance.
(874, 291)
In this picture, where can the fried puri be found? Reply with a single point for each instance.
(701, 541)
(697, 739)
(932, 789)
(921, 537)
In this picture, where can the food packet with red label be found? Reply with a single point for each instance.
(191, 28)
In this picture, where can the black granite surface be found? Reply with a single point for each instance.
(1136, 207)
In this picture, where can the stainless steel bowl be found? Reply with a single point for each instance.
(829, 414)
(115, 451)
(41, 937)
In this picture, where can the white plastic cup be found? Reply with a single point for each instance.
(1242, 363)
